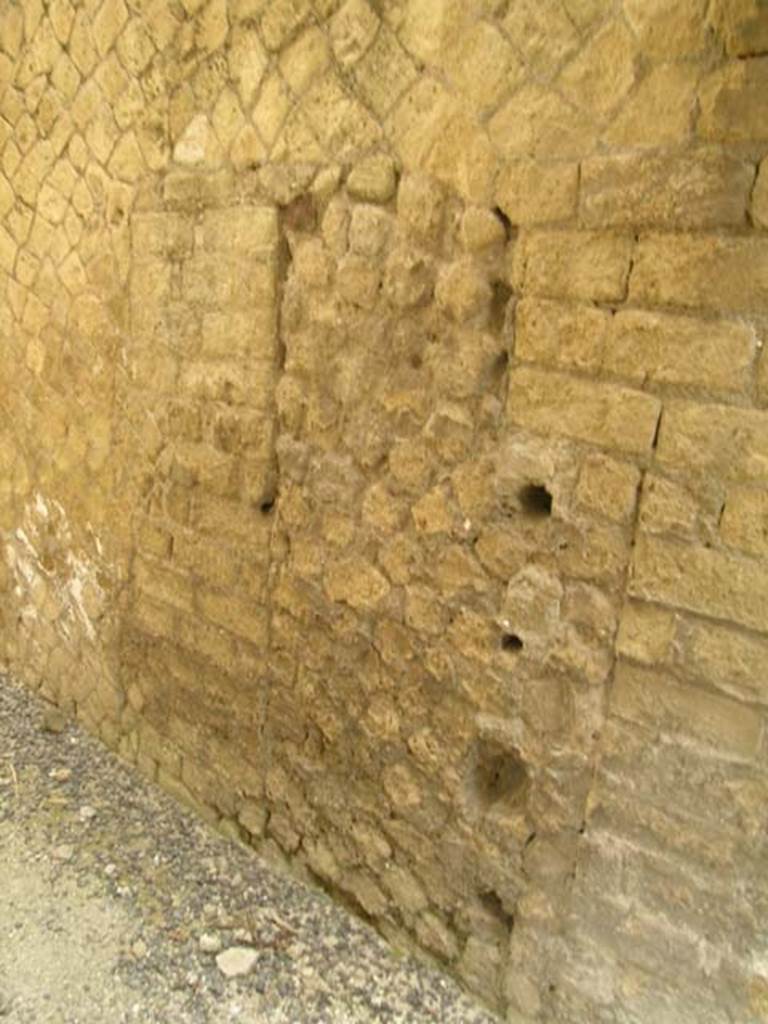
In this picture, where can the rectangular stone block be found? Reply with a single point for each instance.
(255, 287)
(714, 796)
(244, 618)
(231, 519)
(714, 355)
(227, 334)
(602, 414)
(207, 279)
(656, 700)
(667, 506)
(535, 192)
(163, 585)
(167, 235)
(598, 554)
(701, 580)
(587, 265)
(208, 559)
(608, 488)
(654, 947)
(744, 523)
(697, 190)
(717, 440)
(652, 817)
(726, 657)
(716, 272)
(150, 291)
(224, 650)
(250, 230)
(696, 905)
(645, 632)
(200, 465)
(154, 618)
(568, 335)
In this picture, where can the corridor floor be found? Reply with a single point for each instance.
(116, 906)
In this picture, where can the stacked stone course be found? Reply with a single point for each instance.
(384, 448)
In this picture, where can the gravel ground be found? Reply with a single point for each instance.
(118, 906)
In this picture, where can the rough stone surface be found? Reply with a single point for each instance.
(111, 921)
(337, 337)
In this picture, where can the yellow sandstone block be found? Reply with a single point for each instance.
(721, 441)
(702, 580)
(608, 488)
(602, 414)
(535, 191)
(699, 190)
(587, 265)
(744, 522)
(660, 702)
(721, 273)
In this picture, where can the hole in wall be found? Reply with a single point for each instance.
(300, 214)
(266, 503)
(500, 297)
(498, 776)
(497, 372)
(492, 904)
(535, 501)
(511, 642)
(506, 223)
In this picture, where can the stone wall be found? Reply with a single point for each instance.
(384, 445)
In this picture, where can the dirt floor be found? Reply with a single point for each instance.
(118, 906)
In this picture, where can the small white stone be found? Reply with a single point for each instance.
(87, 813)
(63, 852)
(210, 942)
(236, 960)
